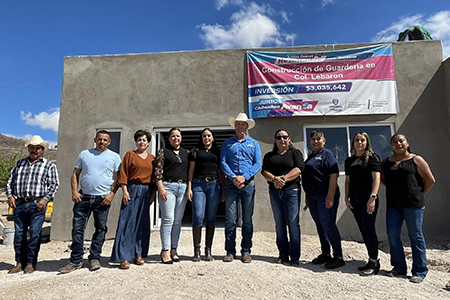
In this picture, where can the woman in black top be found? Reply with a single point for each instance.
(204, 190)
(282, 168)
(407, 177)
(362, 182)
(171, 174)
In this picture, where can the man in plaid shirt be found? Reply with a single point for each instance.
(32, 183)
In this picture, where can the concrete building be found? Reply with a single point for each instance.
(193, 90)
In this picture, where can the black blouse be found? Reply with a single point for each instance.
(281, 164)
(360, 172)
(404, 186)
(206, 162)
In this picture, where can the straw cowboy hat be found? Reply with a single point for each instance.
(243, 118)
(37, 140)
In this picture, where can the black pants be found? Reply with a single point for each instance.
(366, 222)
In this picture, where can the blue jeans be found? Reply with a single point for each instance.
(133, 231)
(246, 196)
(286, 207)
(325, 220)
(27, 216)
(366, 222)
(206, 198)
(414, 220)
(172, 212)
(81, 213)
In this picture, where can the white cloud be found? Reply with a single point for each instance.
(438, 25)
(252, 26)
(221, 3)
(45, 120)
(326, 2)
(284, 16)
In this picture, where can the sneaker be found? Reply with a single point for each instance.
(246, 258)
(16, 269)
(69, 268)
(393, 273)
(228, 258)
(362, 268)
(416, 279)
(282, 260)
(334, 263)
(321, 259)
(95, 265)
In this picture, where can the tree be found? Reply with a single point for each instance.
(6, 164)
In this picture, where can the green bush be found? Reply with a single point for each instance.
(6, 165)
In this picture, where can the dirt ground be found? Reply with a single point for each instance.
(262, 279)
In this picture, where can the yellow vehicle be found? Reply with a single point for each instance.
(48, 213)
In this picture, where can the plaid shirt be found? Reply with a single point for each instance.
(33, 180)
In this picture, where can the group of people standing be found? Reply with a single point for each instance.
(207, 175)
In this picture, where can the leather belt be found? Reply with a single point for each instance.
(30, 199)
(179, 181)
(208, 178)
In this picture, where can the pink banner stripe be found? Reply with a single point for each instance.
(383, 69)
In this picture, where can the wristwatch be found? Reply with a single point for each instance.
(373, 196)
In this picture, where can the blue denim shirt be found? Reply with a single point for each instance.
(240, 157)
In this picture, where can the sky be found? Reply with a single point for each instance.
(35, 36)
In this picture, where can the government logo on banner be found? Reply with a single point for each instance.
(346, 82)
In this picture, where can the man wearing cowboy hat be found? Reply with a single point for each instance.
(240, 160)
(32, 183)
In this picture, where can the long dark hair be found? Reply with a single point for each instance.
(368, 151)
(200, 144)
(275, 147)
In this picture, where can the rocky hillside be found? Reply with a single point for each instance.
(10, 146)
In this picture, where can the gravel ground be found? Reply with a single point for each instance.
(262, 279)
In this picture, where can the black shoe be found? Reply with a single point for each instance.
(295, 262)
(321, 259)
(393, 273)
(372, 269)
(196, 255)
(282, 260)
(362, 268)
(334, 263)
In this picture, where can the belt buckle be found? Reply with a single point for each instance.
(180, 181)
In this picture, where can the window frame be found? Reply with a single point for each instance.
(347, 129)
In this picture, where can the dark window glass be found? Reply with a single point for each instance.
(115, 141)
(379, 138)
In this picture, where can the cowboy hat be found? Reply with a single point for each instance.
(242, 117)
(37, 140)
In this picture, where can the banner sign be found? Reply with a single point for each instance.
(345, 82)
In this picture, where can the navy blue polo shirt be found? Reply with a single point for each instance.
(316, 175)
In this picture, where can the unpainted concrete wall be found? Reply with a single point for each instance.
(205, 88)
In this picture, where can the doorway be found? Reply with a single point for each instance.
(189, 141)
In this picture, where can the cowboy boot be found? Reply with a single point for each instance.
(197, 237)
(209, 240)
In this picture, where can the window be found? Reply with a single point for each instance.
(339, 139)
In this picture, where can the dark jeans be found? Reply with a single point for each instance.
(366, 222)
(414, 220)
(206, 198)
(233, 196)
(133, 231)
(27, 218)
(285, 208)
(325, 220)
(81, 213)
